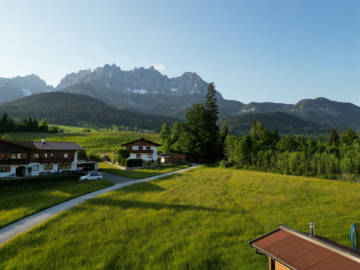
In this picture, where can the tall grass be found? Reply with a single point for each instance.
(200, 219)
(17, 202)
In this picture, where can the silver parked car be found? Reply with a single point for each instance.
(91, 176)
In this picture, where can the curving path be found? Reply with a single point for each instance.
(25, 224)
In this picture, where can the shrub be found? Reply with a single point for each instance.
(122, 153)
(223, 164)
(82, 155)
(136, 162)
(37, 180)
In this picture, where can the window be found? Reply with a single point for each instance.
(147, 147)
(140, 148)
(2, 155)
(48, 167)
(150, 156)
(52, 154)
(66, 155)
(64, 166)
(36, 155)
(138, 155)
(45, 155)
(35, 168)
(13, 156)
(2, 169)
(19, 156)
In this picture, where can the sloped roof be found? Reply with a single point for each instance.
(58, 146)
(297, 250)
(70, 146)
(19, 143)
(142, 139)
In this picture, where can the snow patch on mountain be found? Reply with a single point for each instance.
(2, 85)
(173, 89)
(108, 84)
(142, 91)
(26, 92)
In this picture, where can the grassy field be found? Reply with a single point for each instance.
(102, 142)
(71, 129)
(141, 173)
(199, 219)
(20, 201)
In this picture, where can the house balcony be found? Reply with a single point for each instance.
(56, 160)
(142, 151)
(9, 161)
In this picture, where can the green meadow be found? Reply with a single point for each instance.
(100, 142)
(17, 202)
(198, 219)
(71, 128)
(141, 173)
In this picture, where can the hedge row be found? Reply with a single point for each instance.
(37, 180)
(137, 162)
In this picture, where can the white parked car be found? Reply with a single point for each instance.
(91, 176)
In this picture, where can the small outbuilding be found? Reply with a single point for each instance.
(288, 249)
(172, 158)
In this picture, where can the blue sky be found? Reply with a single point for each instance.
(276, 51)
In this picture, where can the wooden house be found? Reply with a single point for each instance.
(17, 157)
(142, 149)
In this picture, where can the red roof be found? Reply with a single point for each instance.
(297, 250)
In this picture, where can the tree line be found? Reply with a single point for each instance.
(338, 158)
(199, 137)
(8, 124)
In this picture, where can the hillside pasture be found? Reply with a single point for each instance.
(72, 128)
(200, 219)
(17, 202)
(101, 142)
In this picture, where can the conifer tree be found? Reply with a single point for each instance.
(334, 137)
(164, 134)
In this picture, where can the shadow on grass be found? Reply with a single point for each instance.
(129, 204)
(142, 187)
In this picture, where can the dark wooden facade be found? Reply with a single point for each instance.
(16, 154)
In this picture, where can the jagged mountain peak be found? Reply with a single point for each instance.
(138, 80)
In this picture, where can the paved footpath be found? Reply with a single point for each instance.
(25, 224)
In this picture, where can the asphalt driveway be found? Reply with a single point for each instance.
(116, 179)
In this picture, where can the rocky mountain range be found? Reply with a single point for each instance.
(18, 87)
(147, 91)
(138, 80)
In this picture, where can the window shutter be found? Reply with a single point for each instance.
(2, 155)
(24, 155)
(8, 169)
(9, 155)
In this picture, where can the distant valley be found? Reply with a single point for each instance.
(147, 91)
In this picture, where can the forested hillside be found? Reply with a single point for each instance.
(74, 109)
(283, 122)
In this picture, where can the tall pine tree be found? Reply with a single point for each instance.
(334, 138)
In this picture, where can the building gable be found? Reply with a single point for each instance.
(141, 142)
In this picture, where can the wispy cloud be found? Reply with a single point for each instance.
(225, 15)
(98, 47)
(159, 67)
(125, 56)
